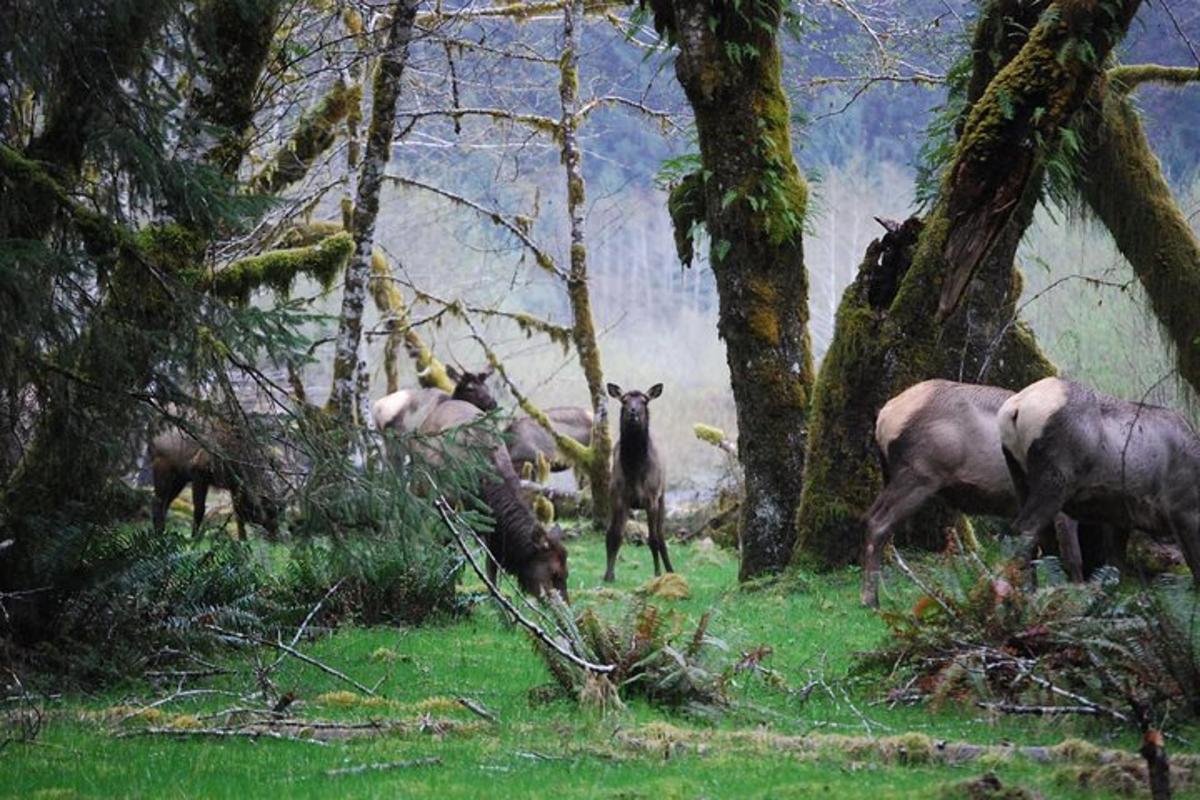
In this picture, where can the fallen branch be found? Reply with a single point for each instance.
(231, 733)
(449, 517)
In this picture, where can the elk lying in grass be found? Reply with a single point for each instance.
(1103, 460)
(940, 438)
(177, 459)
(638, 478)
(517, 542)
(529, 444)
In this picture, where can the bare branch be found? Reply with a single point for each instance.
(513, 225)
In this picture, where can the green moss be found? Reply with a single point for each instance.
(314, 134)
(172, 247)
(685, 204)
(278, 269)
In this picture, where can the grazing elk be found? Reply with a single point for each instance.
(939, 438)
(529, 442)
(517, 541)
(177, 459)
(638, 478)
(405, 410)
(1100, 459)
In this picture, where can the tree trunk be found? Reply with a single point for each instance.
(1122, 182)
(952, 314)
(583, 330)
(344, 400)
(752, 200)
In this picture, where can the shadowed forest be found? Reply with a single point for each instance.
(674, 398)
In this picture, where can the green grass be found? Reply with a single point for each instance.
(554, 749)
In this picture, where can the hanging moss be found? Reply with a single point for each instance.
(278, 269)
(389, 300)
(314, 134)
(685, 204)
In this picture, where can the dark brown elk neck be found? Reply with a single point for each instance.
(633, 451)
(514, 539)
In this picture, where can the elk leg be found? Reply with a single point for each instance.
(1047, 493)
(656, 530)
(1186, 529)
(199, 497)
(1067, 532)
(616, 530)
(898, 501)
(166, 489)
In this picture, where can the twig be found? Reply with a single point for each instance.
(1041, 711)
(291, 651)
(912, 576)
(428, 761)
(307, 619)
(477, 709)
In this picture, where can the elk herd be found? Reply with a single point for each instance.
(1069, 466)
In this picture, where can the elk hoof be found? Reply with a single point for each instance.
(609, 577)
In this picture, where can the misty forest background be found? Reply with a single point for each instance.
(860, 144)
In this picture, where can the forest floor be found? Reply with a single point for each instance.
(838, 740)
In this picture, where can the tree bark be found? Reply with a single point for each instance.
(583, 330)
(344, 400)
(953, 311)
(752, 201)
(1122, 182)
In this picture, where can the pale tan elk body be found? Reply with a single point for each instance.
(518, 543)
(1101, 459)
(404, 411)
(940, 438)
(638, 478)
(529, 442)
(177, 459)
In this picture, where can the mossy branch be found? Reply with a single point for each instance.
(278, 269)
(517, 226)
(1029, 100)
(431, 372)
(1126, 78)
(714, 436)
(314, 134)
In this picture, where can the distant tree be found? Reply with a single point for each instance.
(750, 196)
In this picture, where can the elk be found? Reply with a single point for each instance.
(517, 542)
(1100, 459)
(529, 443)
(177, 459)
(405, 410)
(940, 438)
(638, 478)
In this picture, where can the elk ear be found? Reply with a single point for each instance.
(487, 373)
(655, 391)
(453, 374)
(614, 391)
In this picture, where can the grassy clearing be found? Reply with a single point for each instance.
(553, 749)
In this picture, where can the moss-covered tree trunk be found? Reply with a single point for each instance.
(752, 200)
(1123, 184)
(583, 329)
(949, 311)
(89, 388)
(344, 400)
